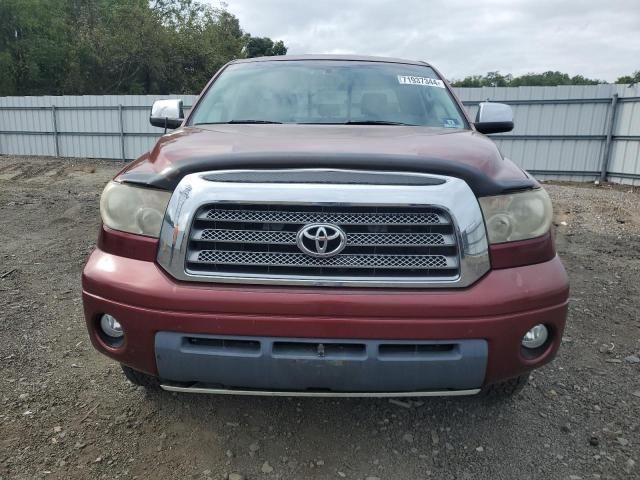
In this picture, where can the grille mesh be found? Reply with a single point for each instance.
(302, 260)
(364, 218)
(250, 236)
(384, 241)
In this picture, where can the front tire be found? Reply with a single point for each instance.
(141, 379)
(507, 389)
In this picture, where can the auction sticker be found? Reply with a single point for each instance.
(423, 81)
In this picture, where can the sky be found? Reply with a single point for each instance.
(597, 39)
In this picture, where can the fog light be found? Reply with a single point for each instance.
(536, 337)
(110, 326)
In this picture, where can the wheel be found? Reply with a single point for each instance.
(507, 389)
(142, 379)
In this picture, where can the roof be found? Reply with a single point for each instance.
(346, 58)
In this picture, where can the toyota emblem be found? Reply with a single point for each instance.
(321, 240)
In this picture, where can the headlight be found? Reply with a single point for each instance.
(133, 209)
(517, 216)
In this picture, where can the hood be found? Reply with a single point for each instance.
(462, 153)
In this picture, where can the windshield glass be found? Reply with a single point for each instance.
(329, 92)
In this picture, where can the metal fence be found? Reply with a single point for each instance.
(93, 126)
(569, 132)
(576, 133)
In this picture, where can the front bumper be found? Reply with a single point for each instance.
(497, 311)
(337, 365)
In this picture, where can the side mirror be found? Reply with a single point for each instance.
(167, 113)
(494, 118)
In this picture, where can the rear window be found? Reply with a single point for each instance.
(329, 92)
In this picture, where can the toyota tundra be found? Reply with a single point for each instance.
(328, 226)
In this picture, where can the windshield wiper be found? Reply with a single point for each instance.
(236, 121)
(362, 122)
(377, 122)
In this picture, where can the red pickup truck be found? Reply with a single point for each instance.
(326, 226)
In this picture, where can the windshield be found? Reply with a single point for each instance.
(329, 92)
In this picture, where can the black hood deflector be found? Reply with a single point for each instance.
(482, 184)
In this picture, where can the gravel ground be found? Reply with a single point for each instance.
(67, 412)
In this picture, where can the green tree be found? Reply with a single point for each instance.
(31, 56)
(635, 78)
(549, 78)
(116, 46)
(279, 48)
(263, 47)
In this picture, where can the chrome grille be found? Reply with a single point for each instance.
(381, 241)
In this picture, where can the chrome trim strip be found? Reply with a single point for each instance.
(277, 237)
(320, 394)
(453, 195)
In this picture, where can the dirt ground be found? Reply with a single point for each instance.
(67, 412)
